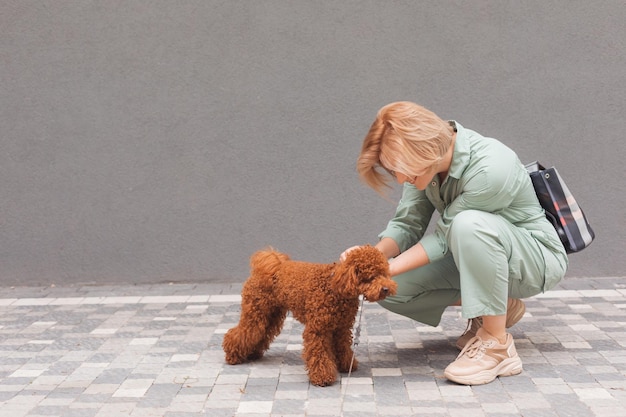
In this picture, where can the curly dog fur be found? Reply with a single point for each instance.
(323, 297)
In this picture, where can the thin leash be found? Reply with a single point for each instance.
(355, 343)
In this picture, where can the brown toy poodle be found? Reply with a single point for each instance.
(323, 297)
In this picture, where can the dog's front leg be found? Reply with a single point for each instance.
(346, 359)
(319, 357)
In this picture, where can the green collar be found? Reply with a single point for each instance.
(461, 155)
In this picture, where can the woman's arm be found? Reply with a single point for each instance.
(412, 216)
(409, 259)
(412, 258)
(388, 247)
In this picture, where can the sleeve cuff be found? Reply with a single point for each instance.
(399, 236)
(433, 247)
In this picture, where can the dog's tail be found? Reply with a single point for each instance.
(266, 263)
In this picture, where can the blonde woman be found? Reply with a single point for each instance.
(491, 246)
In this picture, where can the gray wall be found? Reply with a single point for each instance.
(151, 141)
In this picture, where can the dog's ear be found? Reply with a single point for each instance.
(345, 280)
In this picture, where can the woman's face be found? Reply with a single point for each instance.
(419, 181)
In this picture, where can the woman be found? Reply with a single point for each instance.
(492, 244)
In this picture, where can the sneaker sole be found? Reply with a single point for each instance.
(508, 367)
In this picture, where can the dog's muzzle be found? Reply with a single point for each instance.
(384, 292)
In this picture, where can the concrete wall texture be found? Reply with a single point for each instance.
(155, 141)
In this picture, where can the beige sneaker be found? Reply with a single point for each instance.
(514, 312)
(470, 332)
(484, 359)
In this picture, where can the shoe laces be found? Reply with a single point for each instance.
(475, 348)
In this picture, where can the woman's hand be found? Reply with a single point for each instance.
(387, 246)
(412, 258)
(345, 253)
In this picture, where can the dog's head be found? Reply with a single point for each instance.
(364, 271)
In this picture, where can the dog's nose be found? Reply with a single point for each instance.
(385, 290)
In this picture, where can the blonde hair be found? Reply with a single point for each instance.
(405, 138)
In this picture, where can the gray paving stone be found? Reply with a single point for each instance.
(70, 350)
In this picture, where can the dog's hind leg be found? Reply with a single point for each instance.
(273, 327)
(257, 328)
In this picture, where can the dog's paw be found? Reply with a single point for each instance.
(232, 359)
(321, 382)
(323, 377)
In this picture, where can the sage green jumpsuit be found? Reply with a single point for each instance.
(491, 241)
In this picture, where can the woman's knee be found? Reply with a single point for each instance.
(468, 221)
(474, 230)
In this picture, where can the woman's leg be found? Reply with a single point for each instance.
(424, 293)
(495, 259)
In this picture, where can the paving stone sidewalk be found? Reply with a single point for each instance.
(147, 351)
